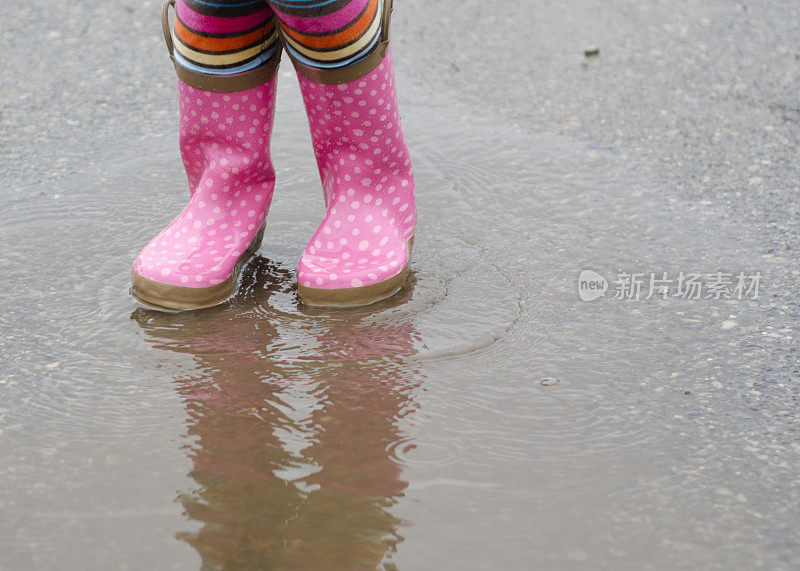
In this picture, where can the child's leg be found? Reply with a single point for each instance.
(330, 34)
(225, 53)
(224, 37)
(361, 251)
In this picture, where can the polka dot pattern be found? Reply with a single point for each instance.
(367, 180)
(224, 143)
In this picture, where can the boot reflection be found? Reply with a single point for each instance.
(292, 457)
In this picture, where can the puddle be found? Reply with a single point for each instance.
(419, 432)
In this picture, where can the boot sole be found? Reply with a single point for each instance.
(355, 296)
(168, 296)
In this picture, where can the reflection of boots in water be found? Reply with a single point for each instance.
(264, 496)
(358, 480)
(226, 87)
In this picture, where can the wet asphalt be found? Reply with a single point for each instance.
(703, 95)
(699, 98)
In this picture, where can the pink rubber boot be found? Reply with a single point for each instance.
(361, 250)
(225, 129)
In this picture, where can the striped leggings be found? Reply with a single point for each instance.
(224, 37)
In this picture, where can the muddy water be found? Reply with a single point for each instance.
(484, 417)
